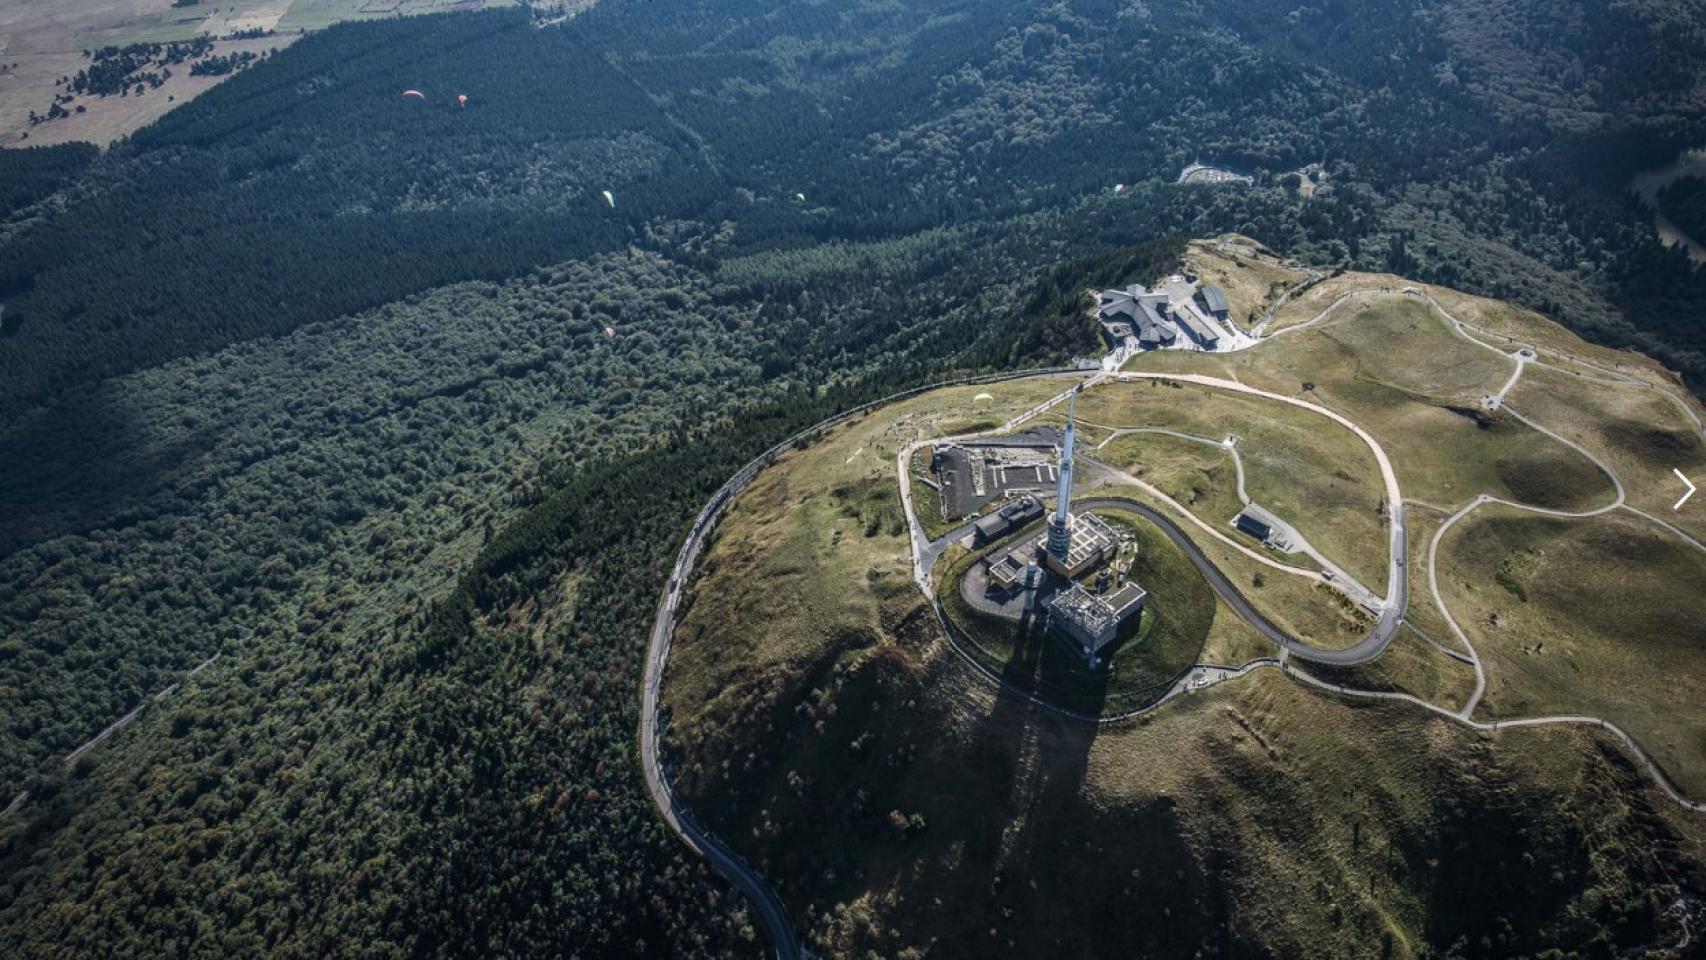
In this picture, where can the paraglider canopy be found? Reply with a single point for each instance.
(609, 197)
(800, 197)
(610, 331)
(462, 99)
(983, 398)
(414, 93)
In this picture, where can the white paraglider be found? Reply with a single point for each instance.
(609, 198)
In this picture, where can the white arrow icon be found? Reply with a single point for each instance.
(1685, 483)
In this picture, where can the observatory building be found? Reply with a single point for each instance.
(1092, 621)
(1072, 546)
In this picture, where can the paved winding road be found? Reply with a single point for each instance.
(771, 913)
(770, 910)
(1366, 649)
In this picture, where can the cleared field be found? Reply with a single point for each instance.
(1602, 616)
(105, 119)
(1311, 471)
(1638, 433)
(46, 42)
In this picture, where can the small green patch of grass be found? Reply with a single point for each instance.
(1198, 476)
(1640, 435)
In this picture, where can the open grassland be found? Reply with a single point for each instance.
(901, 804)
(1639, 434)
(1506, 326)
(104, 119)
(1308, 304)
(1410, 664)
(1405, 344)
(1422, 612)
(1314, 473)
(1445, 449)
(1201, 477)
(1601, 616)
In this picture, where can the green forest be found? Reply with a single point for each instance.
(381, 404)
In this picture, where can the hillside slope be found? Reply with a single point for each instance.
(902, 804)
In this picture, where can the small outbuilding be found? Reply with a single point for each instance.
(1252, 526)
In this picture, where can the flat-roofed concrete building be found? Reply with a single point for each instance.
(1092, 621)
(1089, 543)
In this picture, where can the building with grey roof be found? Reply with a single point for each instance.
(1214, 301)
(1011, 517)
(1196, 326)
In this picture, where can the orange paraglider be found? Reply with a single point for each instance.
(462, 99)
(414, 93)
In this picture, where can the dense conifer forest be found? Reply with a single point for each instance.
(382, 405)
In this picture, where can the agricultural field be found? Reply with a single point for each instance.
(44, 44)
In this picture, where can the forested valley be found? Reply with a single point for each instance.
(381, 403)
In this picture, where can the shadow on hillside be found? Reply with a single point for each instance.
(85, 462)
(1050, 867)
